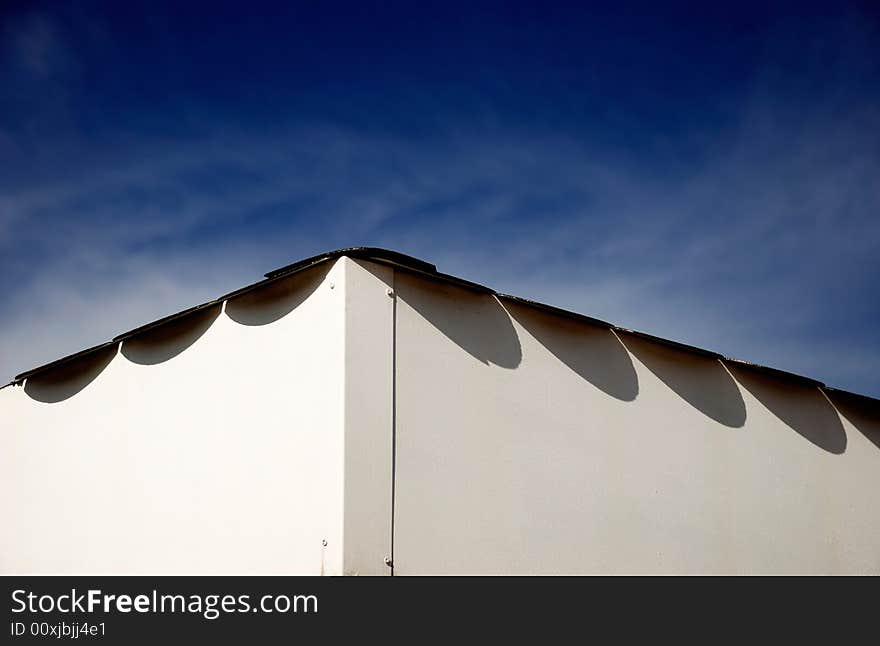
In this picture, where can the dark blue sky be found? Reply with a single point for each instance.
(709, 174)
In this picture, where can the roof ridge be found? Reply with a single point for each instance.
(411, 263)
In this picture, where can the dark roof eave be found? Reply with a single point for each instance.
(683, 347)
(58, 362)
(364, 253)
(775, 372)
(552, 309)
(409, 263)
(852, 397)
(166, 319)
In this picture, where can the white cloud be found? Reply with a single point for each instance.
(744, 254)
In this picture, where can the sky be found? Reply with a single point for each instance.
(709, 174)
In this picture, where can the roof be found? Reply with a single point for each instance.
(409, 263)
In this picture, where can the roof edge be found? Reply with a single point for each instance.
(676, 345)
(848, 396)
(365, 253)
(410, 263)
(63, 360)
(552, 309)
(775, 372)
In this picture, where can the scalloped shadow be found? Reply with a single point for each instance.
(594, 353)
(68, 379)
(475, 321)
(701, 381)
(166, 341)
(861, 412)
(802, 408)
(272, 301)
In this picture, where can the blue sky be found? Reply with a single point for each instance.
(711, 175)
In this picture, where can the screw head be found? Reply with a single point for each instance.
(332, 285)
(390, 292)
(324, 542)
(389, 562)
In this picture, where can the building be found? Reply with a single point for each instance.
(361, 413)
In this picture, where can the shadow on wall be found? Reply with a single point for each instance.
(593, 352)
(168, 340)
(863, 413)
(270, 302)
(802, 407)
(701, 381)
(474, 321)
(65, 381)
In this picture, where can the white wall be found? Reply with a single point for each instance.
(369, 401)
(223, 456)
(504, 439)
(531, 443)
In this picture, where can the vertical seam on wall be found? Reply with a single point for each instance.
(344, 271)
(393, 407)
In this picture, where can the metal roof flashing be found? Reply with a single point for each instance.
(63, 360)
(782, 375)
(682, 347)
(421, 267)
(848, 396)
(383, 257)
(552, 309)
(364, 253)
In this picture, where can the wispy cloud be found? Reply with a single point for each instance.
(742, 255)
(761, 240)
